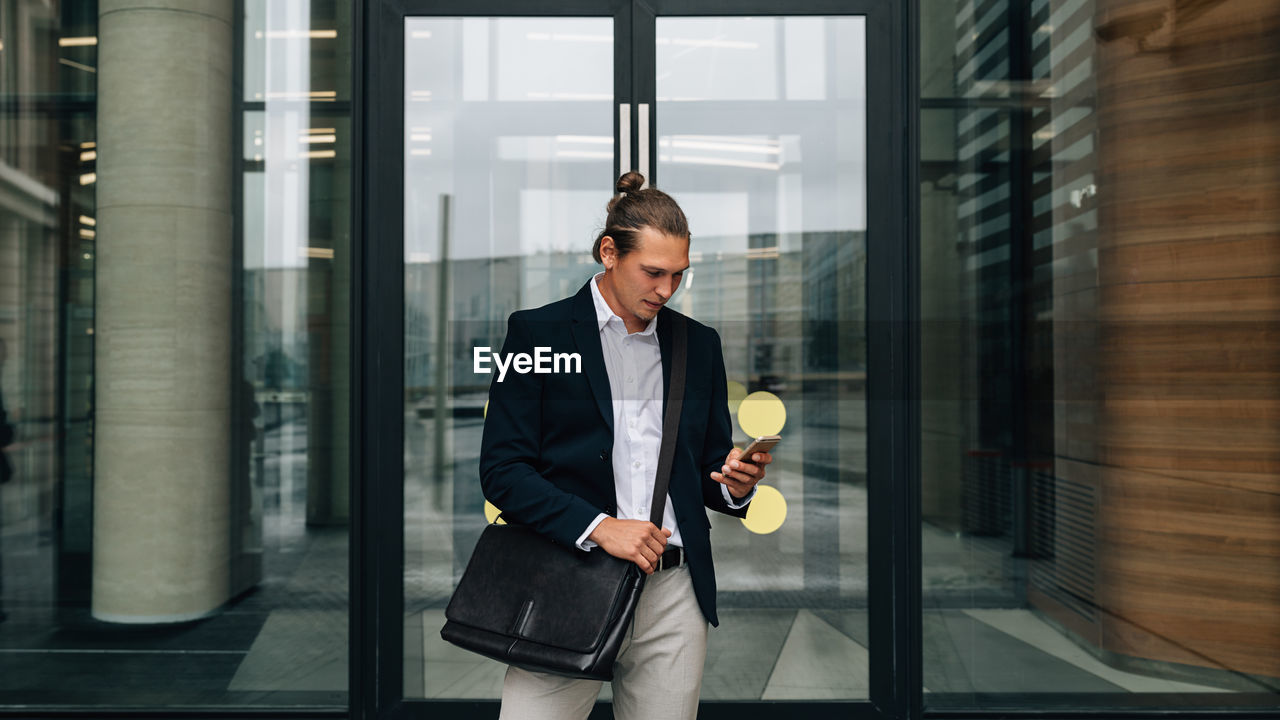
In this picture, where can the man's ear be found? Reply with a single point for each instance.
(608, 252)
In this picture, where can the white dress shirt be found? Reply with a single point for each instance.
(633, 362)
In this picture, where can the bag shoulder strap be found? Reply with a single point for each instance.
(671, 421)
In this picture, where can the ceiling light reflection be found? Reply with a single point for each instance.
(724, 146)
(590, 154)
(570, 37)
(710, 43)
(325, 95)
(588, 139)
(296, 34)
(726, 162)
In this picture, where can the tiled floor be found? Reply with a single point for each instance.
(285, 643)
(806, 655)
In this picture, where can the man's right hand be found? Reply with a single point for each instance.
(639, 541)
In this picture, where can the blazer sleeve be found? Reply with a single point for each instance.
(511, 448)
(718, 440)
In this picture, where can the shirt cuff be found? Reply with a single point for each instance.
(734, 502)
(585, 544)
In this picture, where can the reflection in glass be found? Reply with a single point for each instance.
(501, 205)
(1098, 478)
(121, 404)
(761, 126)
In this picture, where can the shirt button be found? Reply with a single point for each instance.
(630, 379)
(644, 510)
(635, 464)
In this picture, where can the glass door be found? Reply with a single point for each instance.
(509, 155)
(489, 161)
(759, 125)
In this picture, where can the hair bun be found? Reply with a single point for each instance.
(629, 182)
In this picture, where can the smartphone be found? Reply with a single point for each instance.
(762, 444)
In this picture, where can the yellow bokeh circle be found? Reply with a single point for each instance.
(767, 511)
(762, 413)
(737, 391)
(491, 513)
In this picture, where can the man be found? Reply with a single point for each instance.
(574, 456)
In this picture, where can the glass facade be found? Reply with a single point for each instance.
(1097, 287)
(1098, 256)
(508, 137)
(776, 198)
(173, 328)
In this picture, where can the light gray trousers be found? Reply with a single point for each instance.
(658, 674)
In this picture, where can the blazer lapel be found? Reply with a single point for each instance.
(586, 333)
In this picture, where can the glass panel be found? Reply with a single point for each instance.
(762, 138)
(509, 121)
(172, 510)
(296, 140)
(1098, 284)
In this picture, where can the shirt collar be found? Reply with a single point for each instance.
(605, 314)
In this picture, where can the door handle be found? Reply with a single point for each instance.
(624, 138)
(642, 131)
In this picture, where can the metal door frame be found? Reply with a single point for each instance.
(377, 540)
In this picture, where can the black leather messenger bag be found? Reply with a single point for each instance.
(530, 602)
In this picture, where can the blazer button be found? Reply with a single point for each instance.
(604, 455)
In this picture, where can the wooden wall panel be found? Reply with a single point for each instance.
(1188, 353)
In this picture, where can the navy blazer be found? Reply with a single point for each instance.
(546, 461)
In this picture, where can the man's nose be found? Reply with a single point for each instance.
(668, 290)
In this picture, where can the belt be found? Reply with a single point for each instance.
(672, 557)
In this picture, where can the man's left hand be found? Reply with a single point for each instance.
(741, 476)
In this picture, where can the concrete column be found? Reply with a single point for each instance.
(163, 318)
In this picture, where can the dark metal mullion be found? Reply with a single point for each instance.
(359, 651)
(239, 452)
(721, 710)
(623, 85)
(644, 80)
(386, 271)
(378, 350)
(1175, 708)
(508, 8)
(314, 108)
(893, 422)
(910, 607)
(728, 8)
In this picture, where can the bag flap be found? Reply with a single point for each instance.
(521, 584)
